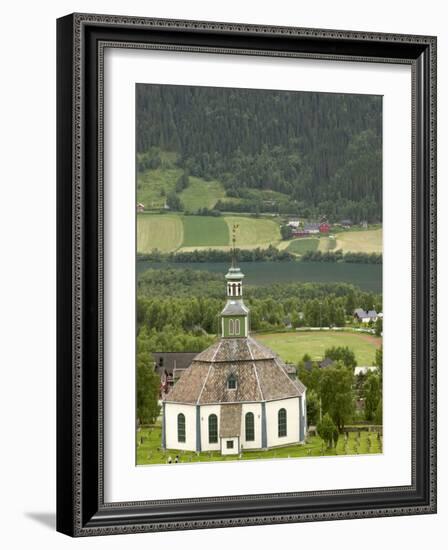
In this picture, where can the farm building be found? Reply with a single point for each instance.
(294, 224)
(324, 227)
(346, 223)
(311, 228)
(235, 395)
(169, 366)
(326, 362)
(366, 316)
(140, 207)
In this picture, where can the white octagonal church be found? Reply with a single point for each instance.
(235, 395)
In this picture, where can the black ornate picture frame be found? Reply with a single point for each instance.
(81, 40)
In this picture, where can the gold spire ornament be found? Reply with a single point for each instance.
(234, 229)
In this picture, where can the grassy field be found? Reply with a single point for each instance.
(299, 246)
(170, 231)
(149, 451)
(291, 346)
(360, 241)
(253, 232)
(164, 232)
(154, 185)
(201, 193)
(205, 231)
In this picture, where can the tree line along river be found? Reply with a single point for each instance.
(367, 277)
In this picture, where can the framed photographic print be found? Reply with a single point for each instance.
(246, 274)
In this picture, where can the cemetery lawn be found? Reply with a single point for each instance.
(149, 449)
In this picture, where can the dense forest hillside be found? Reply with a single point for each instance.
(323, 151)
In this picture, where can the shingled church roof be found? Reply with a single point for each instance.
(261, 375)
(230, 420)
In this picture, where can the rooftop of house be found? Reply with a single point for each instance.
(326, 362)
(168, 361)
(362, 314)
(311, 226)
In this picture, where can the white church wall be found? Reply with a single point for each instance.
(292, 407)
(206, 411)
(171, 412)
(254, 408)
(304, 415)
(234, 450)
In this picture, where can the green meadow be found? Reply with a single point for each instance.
(253, 232)
(302, 245)
(291, 346)
(205, 231)
(367, 240)
(168, 232)
(200, 194)
(164, 232)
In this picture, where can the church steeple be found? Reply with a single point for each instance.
(235, 315)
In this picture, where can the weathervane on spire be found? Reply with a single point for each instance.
(234, 228)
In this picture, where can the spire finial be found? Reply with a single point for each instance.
(234, 228)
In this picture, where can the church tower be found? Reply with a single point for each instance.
(235, 315)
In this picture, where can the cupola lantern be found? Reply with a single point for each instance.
(235, 315)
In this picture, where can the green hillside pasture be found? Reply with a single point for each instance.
(201, 194)
(254, 232)
(300, 246)
(291, 346)
(361, 241)
(205, 231)
(154, 185)
(164, 232)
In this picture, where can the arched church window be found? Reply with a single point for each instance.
(282, 423)
(250, 426)
(181, 428)
(231, 327)
(213, 428)
(237, 327)
(231, 382)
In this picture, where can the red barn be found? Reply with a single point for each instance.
(324, 227)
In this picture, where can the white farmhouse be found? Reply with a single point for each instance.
(366, 316)
(236, 395)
